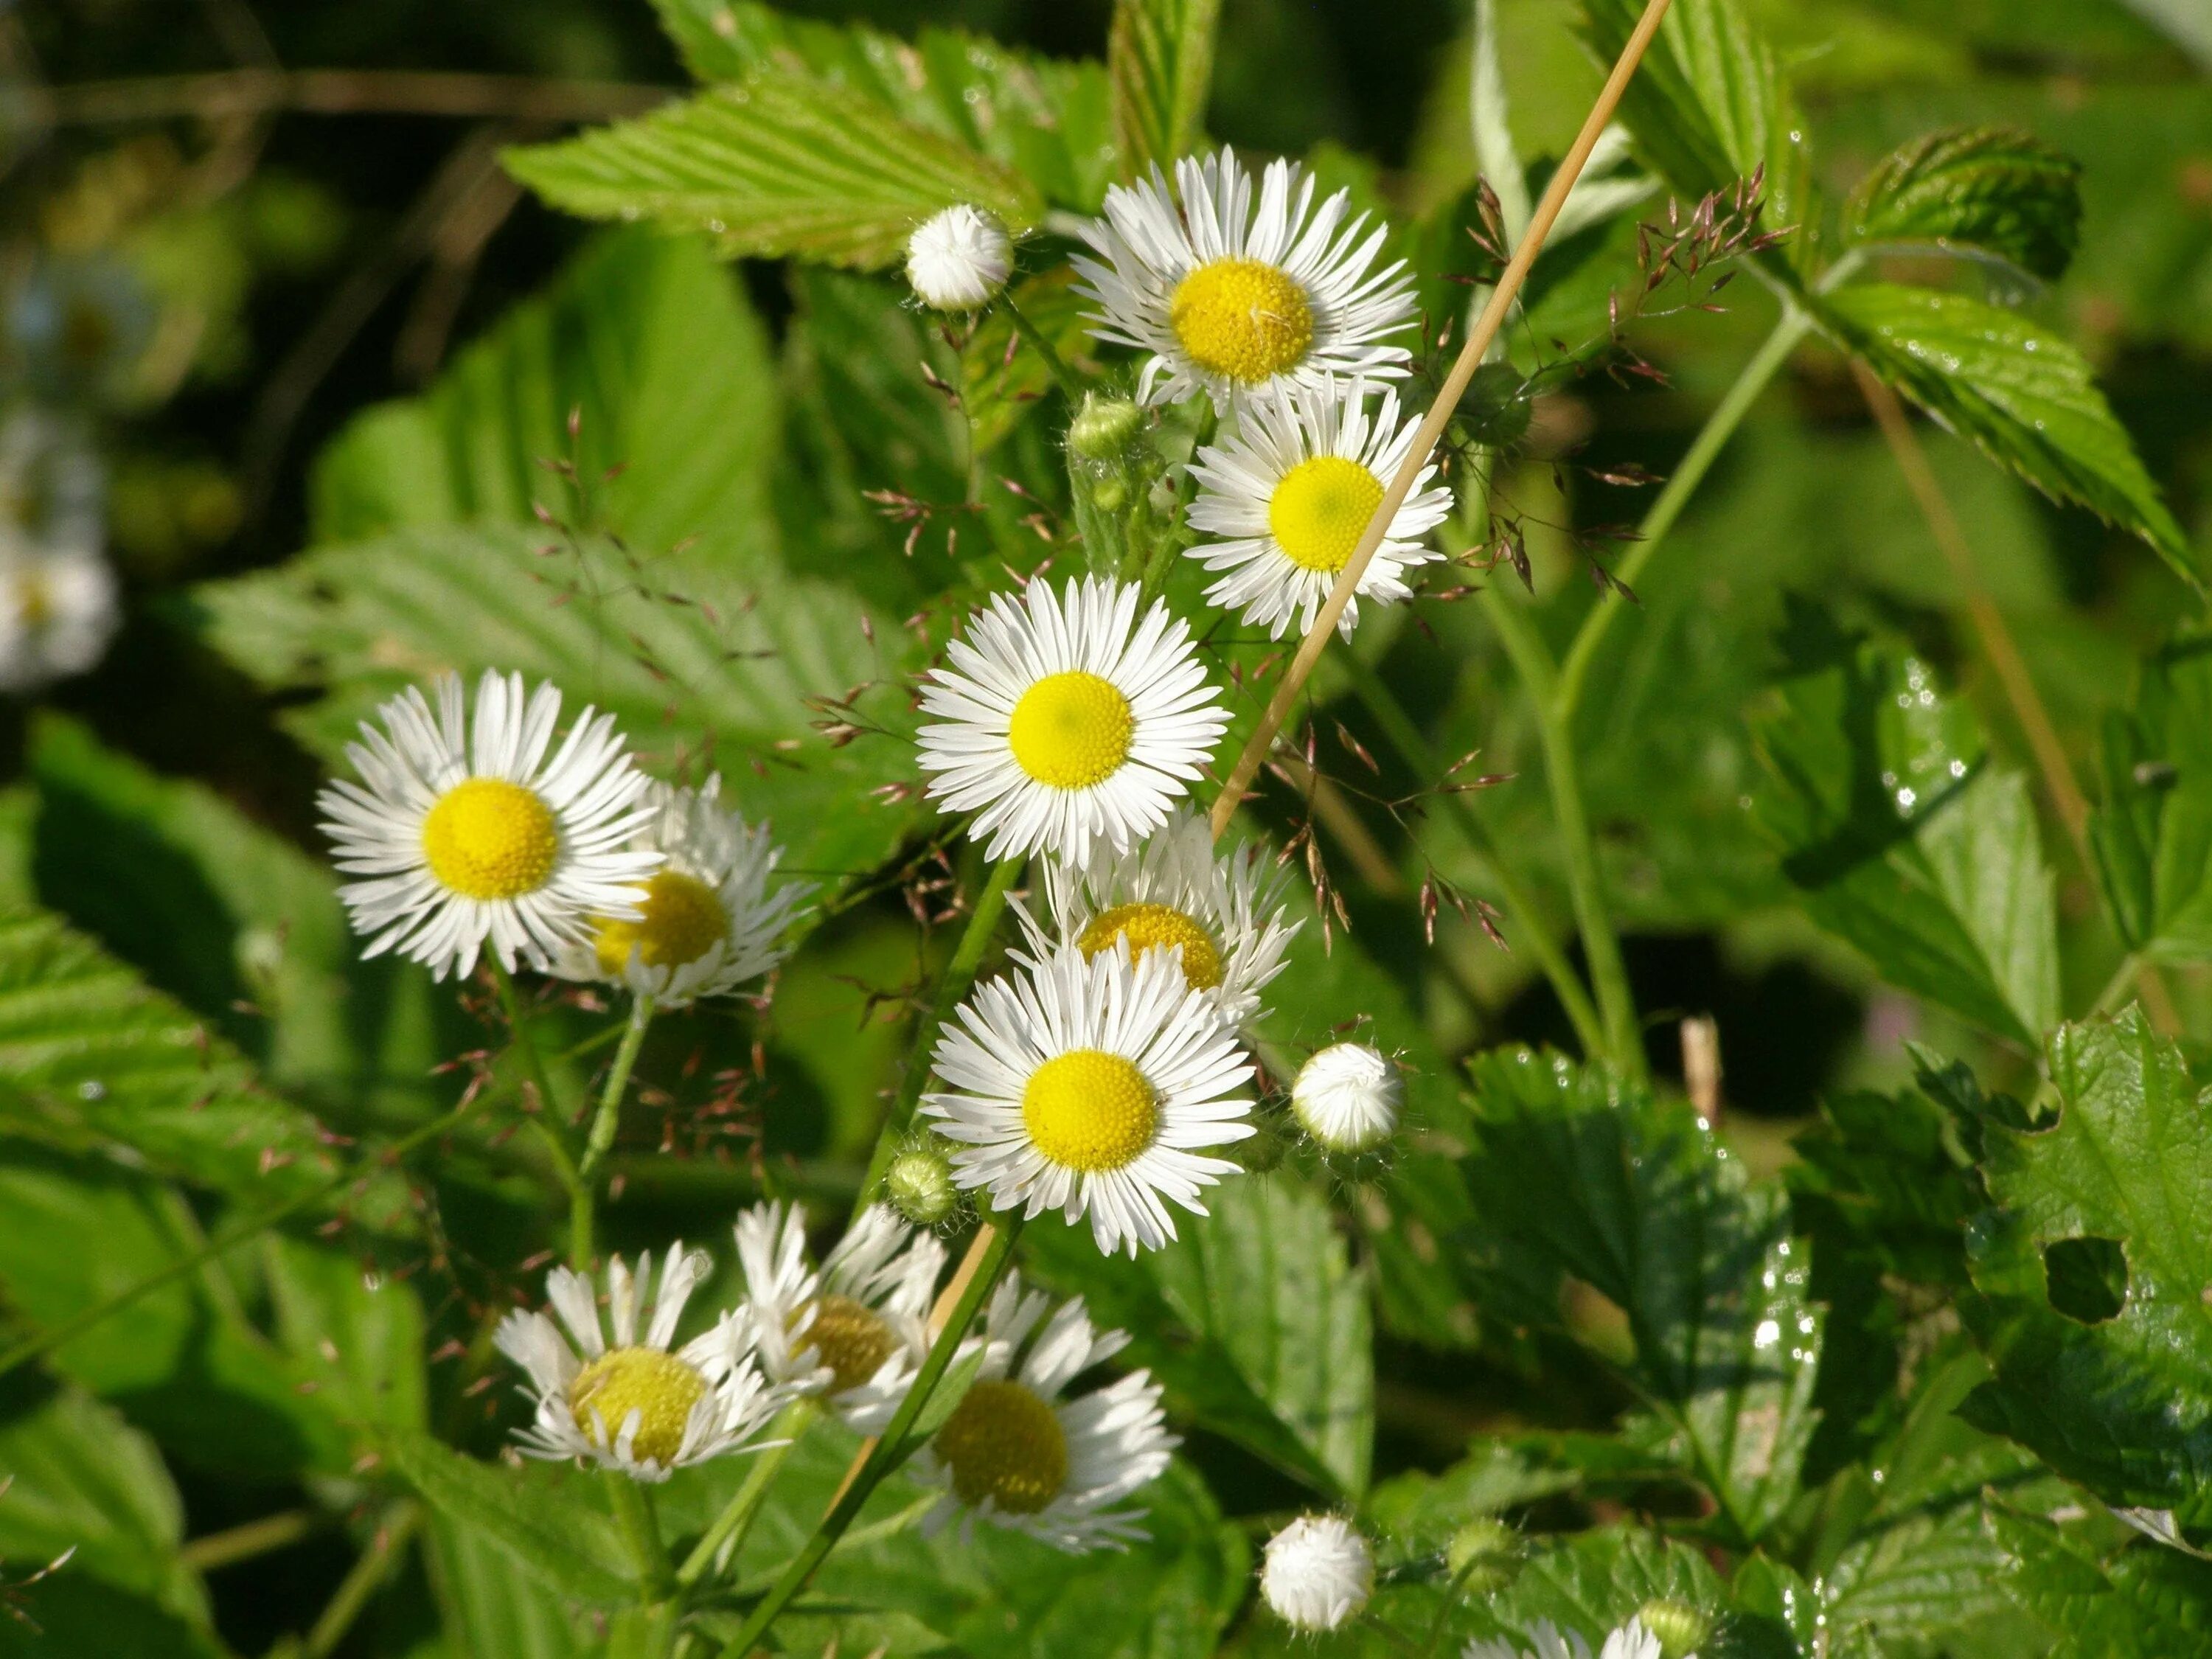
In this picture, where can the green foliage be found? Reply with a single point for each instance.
(550, 1524)
(2142, 1600)
(2153, 832)
(1987, 190)
(776, 164)
(1159, 62)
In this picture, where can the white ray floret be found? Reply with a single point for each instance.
(58, 594)
(1018, 1452)
(1090, 1086)
(1318, 1572)
(857, 1330)
(1286, 500)
(467, 833)
(706, 921)
(621, 1396)
(1547, 1641)
(1347, 1097)
(1234, 297)
(1065, 719)
(1223, 915)
(958, 259)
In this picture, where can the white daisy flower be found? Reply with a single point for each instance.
(1631, 1641)
(633, 1404)
(1348, 1096)
(1318, 1572)
(1290, 494)
(705, 922)
(1088, 1084)
(1068, 720)
(1231, 299)
(1016, 1454)
(468, 833)
(856, 1331)
(1224, 915)
(959, 259)
(58, 612)
(53, 490)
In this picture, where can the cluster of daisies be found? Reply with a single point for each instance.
(1021, 1449)
(58, 594)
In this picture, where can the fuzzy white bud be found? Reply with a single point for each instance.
(959, 259)
(1318, 1572)
(1347, 1097)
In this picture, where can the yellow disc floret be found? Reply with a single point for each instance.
(658, 1387)
(35, 600)
(680, 918)
(1319, 509)
(1147, 925)
(850, 1337)
(1071, 731)
(1244, 319)
(489, 839)
(1005, 1443)
(1090, 1110)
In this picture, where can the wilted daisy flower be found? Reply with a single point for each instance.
(1016, 1454)
(1087, 1084)
(58, 612)
(705, 922)
(958, 259)
(857, 1330)
(1068, 720)
(468, 833)
(1231, 299)
(632, 1404)
(1347, 1097)
(1225, 915)
(1318, 1572)
(1292, 492)
(1631, 1641)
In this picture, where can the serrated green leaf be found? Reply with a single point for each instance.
(2144, 1602)
(1901, 838)
(548, 1521)
(487, 1604)
(77, 1614)
(2153, 827)
(1159, 59)
(2124, 1406)
(776, 166)
(354, 1334)
(2024, 395)
(1419, 1511)
(1993, 191)
(1595, 1582)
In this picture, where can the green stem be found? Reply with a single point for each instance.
(545, 1122)
(1704, 449)
(891, 1450)
(959, 980)
(640, 1531)
(1069, 382)
(1624, 1040)
(229, 1238)
(2116, 989)
(1521, 907)
(360, 1584)
(727, 1535)
(605, 1121)
(242, 1543)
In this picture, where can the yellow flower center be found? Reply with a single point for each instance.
(1320, 508)
(1090, 1110)
(1146, 925)
(489, 839)
(850, 1339)
(1005, 1443)
(658, 1387)
(1244, 319)
(680, 919)
(35, 600)
(1071, 731)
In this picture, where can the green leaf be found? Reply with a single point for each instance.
(776, 166)
(354, 1334)
(1574, 1174)
(1595, 1582)
(490, 1604)
(1042, 117)
(547, 1522)
(2144, 1602)
(1993, 191)
(2024, 395)
(1419, 1511)
(1255, 1320)
(1159, 59)
(2153, 828)
(77, 1615)
(2123, 1404)
(1900, 837)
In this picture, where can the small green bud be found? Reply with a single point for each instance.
(1679, 1628)
(1110, 494)
(919, 1186)
(1105, 428)
(1498, 407)
(1481, 1555)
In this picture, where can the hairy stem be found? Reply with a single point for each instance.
(605, 1121)
(1033, 337)
(726, 1537)
(547, 1122)
(640, 1531)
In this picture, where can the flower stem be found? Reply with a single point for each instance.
(640, 1531)
(608, 1118)
(727, 1535)
(360, 1584)
(546, 1122)
(892, 1449)
(1069, 382)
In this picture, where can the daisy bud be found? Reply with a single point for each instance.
(1679, 1628)
(959, 259)
(1482, 1554)
(1105, 428)
(1347, 1097)
(919, 1186)
(1318, 1572)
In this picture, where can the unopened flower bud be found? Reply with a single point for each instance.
(1679, 1628)
(1318, 1572)
(1347, 1097)
(1105, 427)
(919, 1186)
(959, 259)
(1481, 1556)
